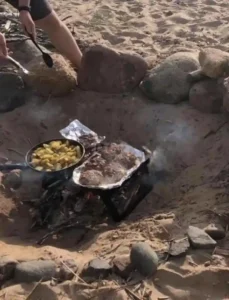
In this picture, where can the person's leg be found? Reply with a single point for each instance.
(61, 37)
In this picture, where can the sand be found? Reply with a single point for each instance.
(151, 28)
(196, 145)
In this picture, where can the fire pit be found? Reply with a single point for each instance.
(63, 198)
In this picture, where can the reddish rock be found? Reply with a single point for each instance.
(206, 96)
(107, 71)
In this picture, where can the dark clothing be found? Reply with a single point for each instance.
(39, 8)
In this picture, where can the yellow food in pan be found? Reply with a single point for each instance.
(55, 156)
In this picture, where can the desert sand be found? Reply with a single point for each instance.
(197, 146)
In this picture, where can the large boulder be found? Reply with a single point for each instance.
(206, 96)
(107, 71)
(56, 81)
(12, 91)
(214, 62)
(168, 82)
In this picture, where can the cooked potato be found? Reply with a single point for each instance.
(55, 156)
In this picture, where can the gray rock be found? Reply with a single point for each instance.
(206, 96)
(214, 62)
(24, 51)
(216, 231)
(122, 266)
(36, 270)
(12, 91)
(7, 267)
(66, 271)
(144, 259)
(168, 82)
(107, 71)
(4, 8)
(12, 180)
(179, 247)
(97, 268)
(200, 239)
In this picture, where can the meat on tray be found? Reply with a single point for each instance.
(87, 140)
(108, 167)
(91, 177)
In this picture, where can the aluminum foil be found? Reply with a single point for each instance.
(76, 129)
(140, 156)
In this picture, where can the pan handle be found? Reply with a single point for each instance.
(10, 167)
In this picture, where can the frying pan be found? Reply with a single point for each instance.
(27, 163)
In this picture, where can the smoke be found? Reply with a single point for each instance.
(158, 160)
(173, 140)
(50, 112)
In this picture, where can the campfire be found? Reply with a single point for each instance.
(72, 192)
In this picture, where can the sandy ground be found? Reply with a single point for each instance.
(151, 28)
(196, 144)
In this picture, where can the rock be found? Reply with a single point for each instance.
(97, 268)
(168, 82)
(12, 180)
(36, 270)
(151, 61)
(216, 231)
(179, 247)
(206, 96)
(4, 8)
(214, 62)
(226, 94)
(200, 239)
(24, 51)
(107, 71)
(7, 267)
(122, 266)
(57, 81)
(144, 259)
(196, 76)
(66, 272)
(13, 93)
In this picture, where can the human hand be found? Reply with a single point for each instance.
(3, 48)
(27, 23)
